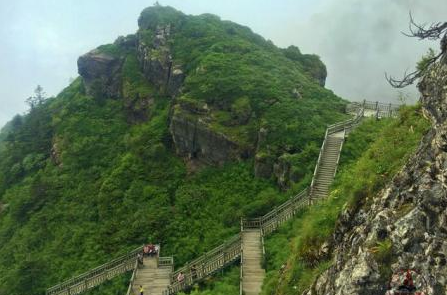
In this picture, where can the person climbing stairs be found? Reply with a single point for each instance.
(153, 277)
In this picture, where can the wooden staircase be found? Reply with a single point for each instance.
(252, 272)
(153, 277)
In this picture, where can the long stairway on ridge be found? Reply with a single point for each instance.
(157, 276)
(153, 277)
(252, 254)
(327, 166)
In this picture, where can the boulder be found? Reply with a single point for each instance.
(101, 74)
(193, 138)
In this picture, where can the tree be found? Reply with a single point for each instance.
(434, 31)
(38, 98)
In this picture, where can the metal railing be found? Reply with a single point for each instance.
(374, 108)
(241, 276)
(206, 265)
(132, 279)
(162, 262)
(221, 256)
(96, 276)
(345, 127)
(284, 212)
(166, 262)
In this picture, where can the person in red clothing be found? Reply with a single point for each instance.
(408, 284)
(152, 251)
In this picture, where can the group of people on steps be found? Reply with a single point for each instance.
(151, 250)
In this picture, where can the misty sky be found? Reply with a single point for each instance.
(358, 40)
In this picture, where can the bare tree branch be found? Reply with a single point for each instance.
(434, 31)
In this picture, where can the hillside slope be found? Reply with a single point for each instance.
(393, 237)
(168, 135)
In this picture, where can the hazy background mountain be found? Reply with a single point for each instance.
(357, 40)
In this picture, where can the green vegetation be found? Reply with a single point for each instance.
(85, 181)
(425, 60)
(383, 254)
(108, 189)
(248, 83)
(225, 283)
(294, 256)
(372, 155)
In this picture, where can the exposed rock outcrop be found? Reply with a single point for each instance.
(101, 73)
(411, 214)
(281, 170)
(157, 63)
(193, 138)
(264, 165)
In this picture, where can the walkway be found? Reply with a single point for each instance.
(153, 277)
(252, 256)
(247, 246)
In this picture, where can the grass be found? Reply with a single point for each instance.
(373, 153)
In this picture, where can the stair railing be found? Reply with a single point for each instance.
(241, 276)
(206, 265)
(264, 261)
(380, 109)
(96, 276)
(317, 166)
(222, 255)
(273, 219)
(132, 278)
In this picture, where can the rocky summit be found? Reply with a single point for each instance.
(170, 134)
(228, 153)
(176, 58)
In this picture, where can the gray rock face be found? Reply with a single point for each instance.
(157, 63)
(411, 213)
(263, 165)
(101, 74)
(193, 138)
(281, 170)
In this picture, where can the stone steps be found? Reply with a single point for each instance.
(253, 273)
(327, 166)
(154, 279)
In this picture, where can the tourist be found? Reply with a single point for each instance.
(140, 259)
(151, 248)
(146, 250)
(181, 278)
(141, 290)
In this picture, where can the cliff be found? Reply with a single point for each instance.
(405, 226)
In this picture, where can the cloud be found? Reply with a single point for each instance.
(361, 40)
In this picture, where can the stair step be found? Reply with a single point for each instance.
(253, 273)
